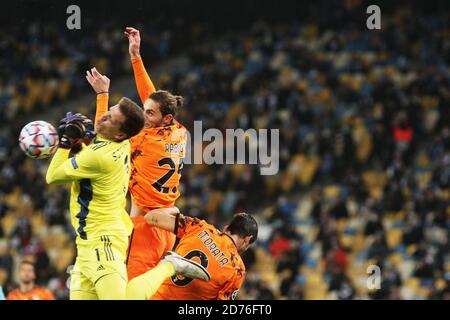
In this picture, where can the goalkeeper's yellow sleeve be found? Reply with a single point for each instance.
(55, 169)
(63, 169)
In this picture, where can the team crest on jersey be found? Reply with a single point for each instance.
(234, 294)
(119, 153)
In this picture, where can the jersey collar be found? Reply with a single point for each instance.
(232, 240)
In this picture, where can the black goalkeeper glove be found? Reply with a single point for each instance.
(75, 129)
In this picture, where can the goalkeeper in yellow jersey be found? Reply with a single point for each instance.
(99, 173)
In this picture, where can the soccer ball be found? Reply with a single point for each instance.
(38, 139)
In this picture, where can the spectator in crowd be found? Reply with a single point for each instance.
(27, 289)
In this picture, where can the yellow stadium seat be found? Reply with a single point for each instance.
(364, 140)
(63, 88)
(375, 182)
(309, 166)
(214, 202)
(331, 192)
(394, 237)
(8, 223)
(395, 258)
(268, 212)
(271, 184)
(64, 257)
(412, 283)
(359, 242)
(346, 240)
(440, 284)
(234, 112)
(37, 221)
(264, 261)
(341, 224)
(423, 179)
(411, 249)
(423, 292)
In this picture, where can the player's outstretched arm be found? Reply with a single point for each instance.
(163, 218)
(100, 84)
(144, 84)
(72, 130)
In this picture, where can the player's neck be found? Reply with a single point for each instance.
(26, 287)
(160, 125)
(102, 137)
(233, 237)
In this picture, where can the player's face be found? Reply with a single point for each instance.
(26, 274)
(109, 124)
(153, 116)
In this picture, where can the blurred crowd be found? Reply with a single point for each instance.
(364, 151)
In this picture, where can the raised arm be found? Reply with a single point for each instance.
(100, 84)
(144, 84)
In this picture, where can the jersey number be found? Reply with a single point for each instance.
(203, 261)
(159, 184)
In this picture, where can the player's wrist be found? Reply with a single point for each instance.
(135, 56)
(105, 92)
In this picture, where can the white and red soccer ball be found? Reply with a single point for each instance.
(38, 139)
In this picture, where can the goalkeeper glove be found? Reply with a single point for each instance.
(73, 130)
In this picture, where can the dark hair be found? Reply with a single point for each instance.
(244, 225)
(134, 117)
(168, 103)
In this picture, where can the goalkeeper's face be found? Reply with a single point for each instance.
(109, 125)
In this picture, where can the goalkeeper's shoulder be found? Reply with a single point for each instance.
(98, 146)
(89, 156)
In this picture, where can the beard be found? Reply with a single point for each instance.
(101, 129)
(149, 124)
(28, 281)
